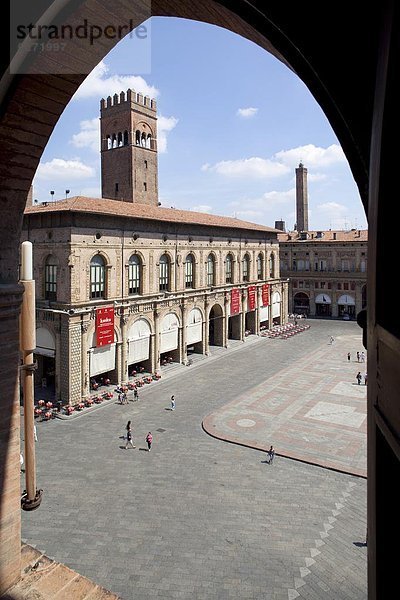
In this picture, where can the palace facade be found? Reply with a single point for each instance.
(124, 283)
(327, 270)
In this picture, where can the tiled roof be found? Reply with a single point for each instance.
(104, 206)
(330, 235)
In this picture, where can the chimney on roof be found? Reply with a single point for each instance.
(281, 225)
(301, 198)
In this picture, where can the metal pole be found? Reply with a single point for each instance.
(27, 346)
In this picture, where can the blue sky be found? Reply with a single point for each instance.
(233, 124)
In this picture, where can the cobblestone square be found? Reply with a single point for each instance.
(201, 518)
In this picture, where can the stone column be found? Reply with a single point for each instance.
(10, 478)
(57, 362)
(206, 344)
(183, 336)
(226, 319)
(75, 361)
(257, 311)
(270, 321)
(124, 351)
(243, 317)
(156, 342)
(85, 363)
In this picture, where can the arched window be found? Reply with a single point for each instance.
(97, 277)
(148, 140)
(119, 139)
(134, 274)
(126, 139)
(164, 273)
(109, 142)
(50, 279)
(229, 269)
(137, 137)
(246, 268)
(272, 265)
(189, 271)
(143, 140)
(114, 141)
(210, 270)
(260, 266)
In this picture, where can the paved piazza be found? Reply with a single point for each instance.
(200, 518)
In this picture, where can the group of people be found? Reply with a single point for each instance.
(149, 436)
(360, 358)
(359, 378)
(129, 437)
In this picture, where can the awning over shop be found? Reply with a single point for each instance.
(346, 300)
(323, 299)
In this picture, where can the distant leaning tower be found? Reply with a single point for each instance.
(301, 198)
(128, 128)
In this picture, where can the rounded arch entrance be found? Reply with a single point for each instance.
(32, 104)
(301, 304)
(216, 326)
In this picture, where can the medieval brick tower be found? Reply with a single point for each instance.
(128, 128)
(301, 199)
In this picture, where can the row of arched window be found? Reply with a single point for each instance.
(116, 140)
(135, 273)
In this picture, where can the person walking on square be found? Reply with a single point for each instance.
(359, 377)
(358, 357)
(362, 356)
(149, 440)
(348, 356)
(365, 379)
(129, 436)
(172, 402)
(271, 454)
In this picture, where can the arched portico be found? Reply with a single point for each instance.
(216, 326)
(323, 305)
(139, 346)
(301, 304)
(363, 122)
(346, 306)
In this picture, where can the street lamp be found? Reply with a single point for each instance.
(66, 193)
(52, 194)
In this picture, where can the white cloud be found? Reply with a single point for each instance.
(247, 113)
(333, 214)
(89, 135)
(312, 156)
(99, 84)
(253, 168)
(203, 208)
(164, 126)
(69, 170)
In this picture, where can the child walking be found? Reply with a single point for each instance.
(149, 440)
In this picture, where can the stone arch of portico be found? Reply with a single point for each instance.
(216, 325)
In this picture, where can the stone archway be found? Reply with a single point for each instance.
(216, 326)
(362, 120)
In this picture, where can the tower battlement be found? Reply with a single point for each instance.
(129, 97)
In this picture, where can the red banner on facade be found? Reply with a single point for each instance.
(251, 297)
(265, 294)
(104, 326)
(235, 301)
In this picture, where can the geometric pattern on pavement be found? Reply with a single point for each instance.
(312, 410)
